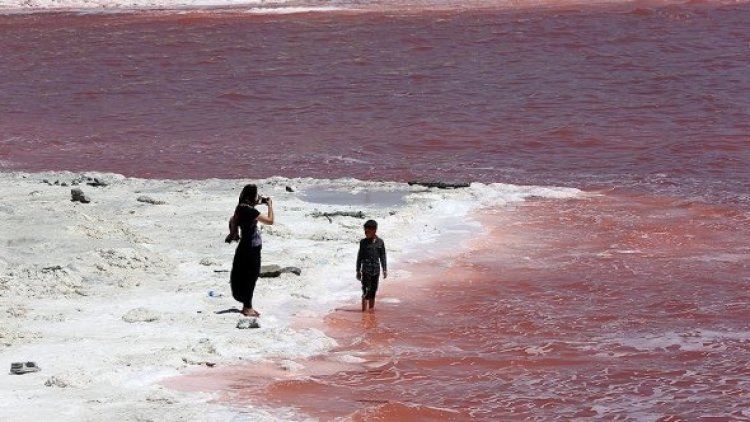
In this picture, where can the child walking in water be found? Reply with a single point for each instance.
(370, 258)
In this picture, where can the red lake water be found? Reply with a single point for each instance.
(606, 308)
(629, 304)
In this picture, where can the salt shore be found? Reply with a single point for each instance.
(111, 297)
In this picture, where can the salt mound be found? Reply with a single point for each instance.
(290, 365)
(204, 347)
(10, 336)
(69, 379)
(128, 259)
(141, 315)
(33, 281)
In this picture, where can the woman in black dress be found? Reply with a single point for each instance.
(246, 264)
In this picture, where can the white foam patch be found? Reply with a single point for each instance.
(109, 5)
(294, 10)
(699, 340)
(126, 283)
(390, 300)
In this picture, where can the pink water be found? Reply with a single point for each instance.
(632, 305)
(612, 308)
(622, 94)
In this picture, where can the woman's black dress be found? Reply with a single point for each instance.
(246, 264)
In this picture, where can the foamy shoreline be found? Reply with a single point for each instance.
(104, 5)
(295, 6)
(111, 297)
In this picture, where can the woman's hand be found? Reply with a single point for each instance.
(268, 218)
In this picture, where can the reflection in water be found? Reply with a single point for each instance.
(369, 320)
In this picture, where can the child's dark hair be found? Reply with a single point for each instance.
(371, 224)
(249, 194)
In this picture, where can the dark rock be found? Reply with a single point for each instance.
(289, 189)
(76, 195)
(268, 271)
(149, 200)
(248, 322)
(355, 214)
(440, 185)
(96, 183)
(293, 270)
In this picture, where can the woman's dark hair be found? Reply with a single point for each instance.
(248, 195)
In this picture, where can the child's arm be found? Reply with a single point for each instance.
(359, 262)
(383, 261)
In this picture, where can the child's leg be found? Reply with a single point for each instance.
(373, 290)
(364, 292)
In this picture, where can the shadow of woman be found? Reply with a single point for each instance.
(229, 311)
